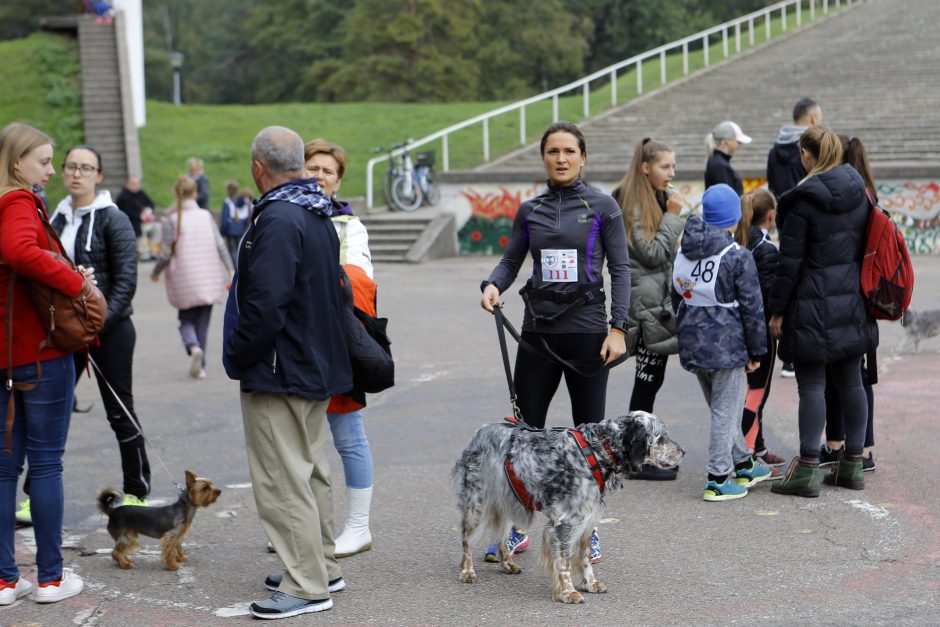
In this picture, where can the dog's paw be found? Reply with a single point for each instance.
(595, 588)
(511, 568)
(468, 576)
(571, 597)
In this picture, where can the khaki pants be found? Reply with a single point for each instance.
(284, 438)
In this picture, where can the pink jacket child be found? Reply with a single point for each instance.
(198, 269)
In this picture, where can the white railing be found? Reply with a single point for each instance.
(704, 37)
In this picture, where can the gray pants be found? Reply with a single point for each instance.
(194, 328)
(724, 392)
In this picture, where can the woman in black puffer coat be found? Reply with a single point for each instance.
(97, 234)
(817, 308)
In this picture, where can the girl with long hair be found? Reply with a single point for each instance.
(41, 404)
(818, 312)
(651, 208)
(198, 269)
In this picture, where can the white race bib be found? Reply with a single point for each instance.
(559, 265)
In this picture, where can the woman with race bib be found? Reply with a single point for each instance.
(568, 230)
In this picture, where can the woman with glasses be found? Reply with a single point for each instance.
(96, 234)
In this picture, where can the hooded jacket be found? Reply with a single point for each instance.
(575, 217)
(817, 288)
(784, 165)
(716, 337)
(100, 236)
(284, 332)
(766, 255)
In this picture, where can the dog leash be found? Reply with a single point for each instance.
(500, 323)
(136, 424)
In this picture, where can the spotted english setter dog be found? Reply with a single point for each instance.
(508, 472)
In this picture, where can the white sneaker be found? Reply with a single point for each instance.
(10, 592)
(202, 373)
(196, 366)
(70, 585)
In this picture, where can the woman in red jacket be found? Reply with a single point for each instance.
(39, 424)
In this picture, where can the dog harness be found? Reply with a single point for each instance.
(587, 452)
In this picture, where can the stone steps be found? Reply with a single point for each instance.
(873, 69)
(392, 236)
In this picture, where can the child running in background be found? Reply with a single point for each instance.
(758, 212)
(722, 334)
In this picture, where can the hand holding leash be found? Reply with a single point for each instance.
(490, 298)
(614, 346)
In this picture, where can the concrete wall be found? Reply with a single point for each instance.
(484, 211)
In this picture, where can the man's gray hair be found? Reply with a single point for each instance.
(280, 149)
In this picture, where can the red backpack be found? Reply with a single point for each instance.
(887, 271)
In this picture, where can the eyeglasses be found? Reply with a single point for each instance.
(84, 169)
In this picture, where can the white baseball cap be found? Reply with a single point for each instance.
(730, 130)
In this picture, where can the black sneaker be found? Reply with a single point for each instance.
(828, 456)
(868, 463)
(282, 605)
(787, 371)
(652, 473)
(272, 582)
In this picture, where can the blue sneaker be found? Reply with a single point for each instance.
(595, 548)
(492, 554)
(518, 540)
(724, 491)
(755, 474)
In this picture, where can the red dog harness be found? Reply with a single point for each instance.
(586, 451)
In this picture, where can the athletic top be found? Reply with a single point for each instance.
(568, 232)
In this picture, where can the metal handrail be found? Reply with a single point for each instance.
(637, 61)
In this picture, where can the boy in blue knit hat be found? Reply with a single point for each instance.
(722, 334)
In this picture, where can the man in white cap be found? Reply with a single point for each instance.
(722, 143)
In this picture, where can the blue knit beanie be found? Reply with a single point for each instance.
(721, 206)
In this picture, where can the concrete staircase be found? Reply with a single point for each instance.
(107, 112)
(873, 69)
(391, 236)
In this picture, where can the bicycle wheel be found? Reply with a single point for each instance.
(433, 194)
(406, 195)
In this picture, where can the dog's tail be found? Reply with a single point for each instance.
(108, 500)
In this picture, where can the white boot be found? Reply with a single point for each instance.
(356, 537)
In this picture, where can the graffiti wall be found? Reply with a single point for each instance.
(485, 212)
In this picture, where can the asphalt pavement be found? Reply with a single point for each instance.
(847, 557)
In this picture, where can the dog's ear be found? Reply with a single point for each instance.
(635, 444)
(190, 479)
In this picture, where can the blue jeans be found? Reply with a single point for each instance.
(39, 432)
(349, 437)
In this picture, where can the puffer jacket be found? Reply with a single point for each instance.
(199, 269)
(716, 337)
(784, 166)
(651, 314)
(766, 255)
(100, 236)
(817, 288)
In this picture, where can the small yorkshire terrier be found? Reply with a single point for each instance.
(169, 523)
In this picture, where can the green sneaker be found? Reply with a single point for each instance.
(23, 516)
(130, 499)
(802, 479)
(847, 473)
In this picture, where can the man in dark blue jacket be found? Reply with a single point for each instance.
(288, 350)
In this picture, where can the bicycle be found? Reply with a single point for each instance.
(408, 183)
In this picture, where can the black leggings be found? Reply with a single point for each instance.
(811, 384)
(650, 373)
(758, 391)
(537, 376)
(115, 358)
(835, 421)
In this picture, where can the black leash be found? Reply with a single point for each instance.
(500, 323)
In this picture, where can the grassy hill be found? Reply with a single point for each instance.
(39, 85)
(40, 80)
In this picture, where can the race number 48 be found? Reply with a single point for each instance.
(704, 271)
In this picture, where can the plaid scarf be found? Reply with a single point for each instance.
(302, 192)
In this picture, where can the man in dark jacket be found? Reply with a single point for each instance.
(198, 173)
(132, 200)
(784, 167)
(288, 349)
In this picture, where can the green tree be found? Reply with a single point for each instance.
(405, 50)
